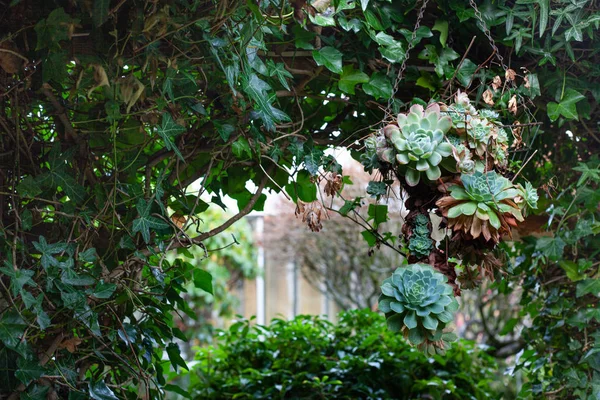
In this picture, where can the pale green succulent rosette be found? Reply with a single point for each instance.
(420, 143)
(478, 135)
(418, 301)
(487, 195)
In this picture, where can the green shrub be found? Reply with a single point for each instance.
(311, 358)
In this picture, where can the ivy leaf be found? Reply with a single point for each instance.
(100, 13)
(572, 270)
(12, 327)
(145, 222)
(330, 57)
(224, 129)
(88, 256)
(178, 390)
(364, 4)
(99, 391)
(588, 286)
(54, 29)
(544, 15)
(278, 70)
(393, 53)
(175, 356)
(241, 148)
(28, 299)
(442, 27)
(567, 106)
(70, 277)
(350, 205)
(168, 131)
(369, 237)
(312, 161)
(42, 319)
(465, 73)
(350, 78)
(378, 213)
(47, 250)
(28, 187)
(18, 278)
(551, 247)
(376, 189)
(257, 90)
(104, 290)
(379, 86)
(28, 371)
(203, 280)
(322, 20)
(304, 188)
(37, 392)
(534, 86)
(587, 173)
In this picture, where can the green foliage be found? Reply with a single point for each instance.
(310, 358)
(111, 111)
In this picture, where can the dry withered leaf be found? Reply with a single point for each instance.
(526, 80)
(512, 105)
(9, 58)
(488, 97)
(510, 75)
(131, 90)
(70, 344)
(333, 185)
(100, 78)
(516, 131)
(178, 220)
(312, 214)
(496, 82)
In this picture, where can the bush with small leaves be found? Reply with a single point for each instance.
(357, 358)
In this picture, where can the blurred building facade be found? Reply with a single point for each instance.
(280, 291)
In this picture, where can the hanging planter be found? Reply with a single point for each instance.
(450, 158)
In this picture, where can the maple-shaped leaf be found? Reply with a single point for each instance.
(168, 130)
(145, 222)
(257, 90)
(48, 250)
(587, 173)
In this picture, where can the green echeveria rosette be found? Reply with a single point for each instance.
(419, 142)
(485, 193)
(418, 301)
(478, 135)
(420, 246)
(420, 243)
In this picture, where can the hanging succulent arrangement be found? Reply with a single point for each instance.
(450, 159)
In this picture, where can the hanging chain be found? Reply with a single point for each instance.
(408, 49)
(488, 34)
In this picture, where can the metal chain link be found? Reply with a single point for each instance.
(408, 49)
(488, 34)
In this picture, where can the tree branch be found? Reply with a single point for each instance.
(242, 213)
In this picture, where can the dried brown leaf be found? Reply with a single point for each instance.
(333, 185)
(488, 97)
(512, 105)
(510, 75)
(496, 82)
(9, 58)
(70, 344)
